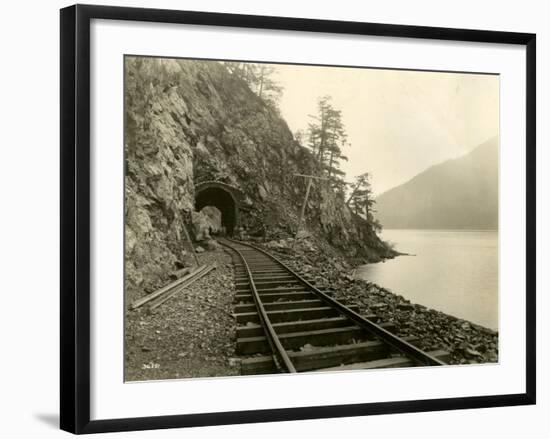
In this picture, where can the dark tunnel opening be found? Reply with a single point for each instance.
(223, 201)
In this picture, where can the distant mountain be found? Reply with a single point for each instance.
(457, 194)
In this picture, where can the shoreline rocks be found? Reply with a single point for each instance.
(467, 342)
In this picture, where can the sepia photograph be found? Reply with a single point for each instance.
(294, 218)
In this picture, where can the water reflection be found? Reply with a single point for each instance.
(452, 271)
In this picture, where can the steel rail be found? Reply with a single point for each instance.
(277, 348)
(416, 354)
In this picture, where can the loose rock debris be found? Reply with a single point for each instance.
(467, 342)
(191, 335)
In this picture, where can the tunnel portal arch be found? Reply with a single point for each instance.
(226, 198)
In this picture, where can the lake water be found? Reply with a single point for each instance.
(452, 271)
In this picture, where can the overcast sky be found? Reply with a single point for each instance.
(398, 122)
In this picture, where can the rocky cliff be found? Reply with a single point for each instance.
(188, 122)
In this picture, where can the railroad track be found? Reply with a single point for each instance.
(285, 324)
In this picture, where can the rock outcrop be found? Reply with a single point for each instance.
(192, 121)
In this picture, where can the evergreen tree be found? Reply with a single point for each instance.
(266, 87)
(361, 200)
(299, 136)
(260, 79)
(326, 138)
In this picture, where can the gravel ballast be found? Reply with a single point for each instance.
(193, 334)
(190, 335)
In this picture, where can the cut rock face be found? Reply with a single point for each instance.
(188, 122)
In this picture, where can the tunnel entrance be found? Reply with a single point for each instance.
(221, 199)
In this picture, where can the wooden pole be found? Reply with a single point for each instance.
(302, 212)
(191, 244)
(309, 182)
(160, 300)
(159, 292)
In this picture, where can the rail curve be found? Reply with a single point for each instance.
(286, 324)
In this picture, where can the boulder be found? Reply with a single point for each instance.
(211, 244)
(200, 226)
(404, 306)
(262, 192)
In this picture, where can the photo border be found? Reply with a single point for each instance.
(75, 217)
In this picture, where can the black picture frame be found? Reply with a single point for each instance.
(75, 217)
